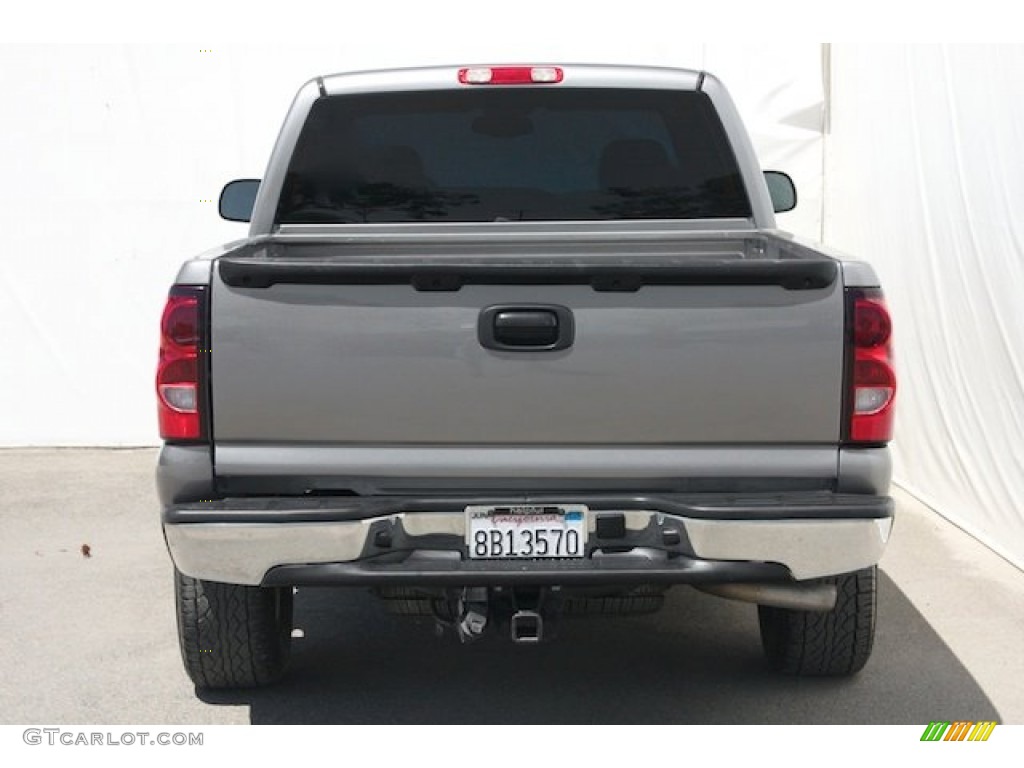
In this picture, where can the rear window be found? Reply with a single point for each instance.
(512, 154)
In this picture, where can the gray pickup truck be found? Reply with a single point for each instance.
(510, 344)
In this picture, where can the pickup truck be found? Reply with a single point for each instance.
(507, 344)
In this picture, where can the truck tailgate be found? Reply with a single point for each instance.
(684, 345)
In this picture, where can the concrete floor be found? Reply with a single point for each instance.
(92, 639)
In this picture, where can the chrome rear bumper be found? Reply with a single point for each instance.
(375, 541)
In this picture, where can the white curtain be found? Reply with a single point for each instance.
(925, 179)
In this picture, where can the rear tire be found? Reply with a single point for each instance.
(824, 643)
(232, 636)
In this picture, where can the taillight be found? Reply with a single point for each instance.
(510, 75)
(178, 387)
(870, 374)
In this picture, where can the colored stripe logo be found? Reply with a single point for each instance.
(958, 730)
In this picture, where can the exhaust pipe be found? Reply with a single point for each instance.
(527, 627)
(795, 597)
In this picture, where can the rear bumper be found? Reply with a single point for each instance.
(710, 538)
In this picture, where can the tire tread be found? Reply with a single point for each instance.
(232, 636)
(824, 643)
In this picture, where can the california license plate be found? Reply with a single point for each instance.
(526, 532)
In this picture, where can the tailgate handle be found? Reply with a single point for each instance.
(526, 328)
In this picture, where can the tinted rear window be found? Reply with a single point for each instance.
(515, 154)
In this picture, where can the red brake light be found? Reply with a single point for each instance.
(510, 75)
(180, 323)
(872, 386)
(871, 324)
(177, 376)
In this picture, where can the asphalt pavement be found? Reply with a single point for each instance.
(88, 628)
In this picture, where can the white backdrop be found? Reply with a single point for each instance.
(925, 179)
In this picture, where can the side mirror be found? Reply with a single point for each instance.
(237, 199)
(782, 191)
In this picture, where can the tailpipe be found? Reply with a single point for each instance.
(796, 597)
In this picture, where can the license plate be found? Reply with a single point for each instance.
(526, 532)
